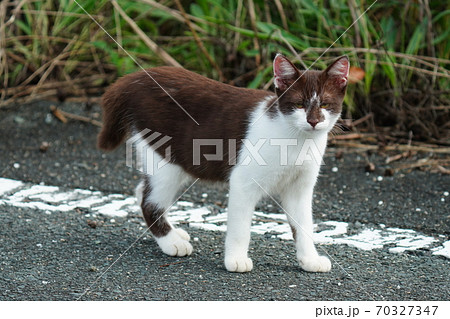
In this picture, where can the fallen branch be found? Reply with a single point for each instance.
(67, 115)
(417, 148)
(58, 114)
(397, 157)
(362, 119)
(439, 150)
(21, 94)
(443, 170)
(170, 264)
(351, 136)
(28, 99)
(424, 162)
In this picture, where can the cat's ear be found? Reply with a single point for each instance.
(285, 73)
(338, 71)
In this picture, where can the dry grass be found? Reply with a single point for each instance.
(52, 48)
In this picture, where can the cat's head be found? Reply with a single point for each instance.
(311, 100)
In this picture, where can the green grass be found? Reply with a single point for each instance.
(403, 47)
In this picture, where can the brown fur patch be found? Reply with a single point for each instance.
(294, 232)
(221, 110)
(154, 216)
(302, 91)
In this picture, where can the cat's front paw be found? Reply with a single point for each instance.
(238, 264)
(175, 243)
(315, 264)
(183, 234)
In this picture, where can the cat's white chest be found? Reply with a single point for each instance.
(275, 155)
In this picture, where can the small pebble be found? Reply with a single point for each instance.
(379, 178)
(370, 167)
(16, 165)
(380, 203)
(445, 193)
(39, 245)
(44, 147)
(334, 169)
(19, 120)
(48, 118)
(92, 223)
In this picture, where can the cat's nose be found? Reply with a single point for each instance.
(313, 122)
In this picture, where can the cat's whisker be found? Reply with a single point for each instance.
(337, 129)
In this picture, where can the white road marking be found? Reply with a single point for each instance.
(443, 250)
(52, 199)
(7, 185)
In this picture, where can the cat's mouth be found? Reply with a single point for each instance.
(317, 128)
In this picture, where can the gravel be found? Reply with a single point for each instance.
(58, 256)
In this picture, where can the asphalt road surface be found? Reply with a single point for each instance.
(54, 251)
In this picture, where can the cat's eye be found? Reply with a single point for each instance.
(324, 106)
(300, 106)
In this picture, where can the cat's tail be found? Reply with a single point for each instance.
(115, 123)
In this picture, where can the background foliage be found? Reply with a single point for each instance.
(50, 47)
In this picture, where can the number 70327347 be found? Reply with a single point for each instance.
(406, 310)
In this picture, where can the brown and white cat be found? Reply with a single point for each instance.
(267, 131)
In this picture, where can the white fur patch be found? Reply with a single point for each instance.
(315, 264)
(165, 184)
(238, 264)
(175, 243)
(138, 192)
(314, 99)
(165, 178)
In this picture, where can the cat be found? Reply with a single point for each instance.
(188, 107)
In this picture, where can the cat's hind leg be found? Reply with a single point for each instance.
(156, 194)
